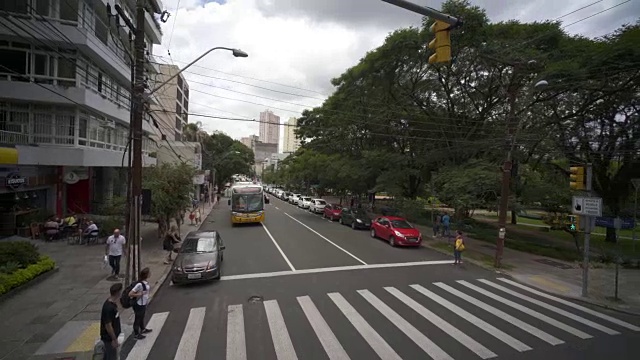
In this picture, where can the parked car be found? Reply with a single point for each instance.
(332, 211)
(304, 202)
(396, 230)
(293, 198)
(317, 206)
(199, 258)
(356, 218)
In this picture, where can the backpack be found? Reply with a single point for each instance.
(127, 301)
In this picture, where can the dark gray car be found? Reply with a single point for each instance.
(200, 258)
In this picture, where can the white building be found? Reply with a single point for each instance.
(291, 141)
(269, 127)
(171, 105)
(65, 103)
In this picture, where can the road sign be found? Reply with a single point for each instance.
(590, 206)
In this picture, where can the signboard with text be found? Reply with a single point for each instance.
(589, 206)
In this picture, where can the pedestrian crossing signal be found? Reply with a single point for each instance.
(572, 227)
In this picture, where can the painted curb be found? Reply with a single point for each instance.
(35, 281)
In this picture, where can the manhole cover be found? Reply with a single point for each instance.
(554, 264)
(255, 299)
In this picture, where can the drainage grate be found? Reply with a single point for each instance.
(255, 299)
(555, 264)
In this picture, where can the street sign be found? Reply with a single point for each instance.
(589, 206)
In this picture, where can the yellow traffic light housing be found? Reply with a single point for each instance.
(441, 45)
(578, 180)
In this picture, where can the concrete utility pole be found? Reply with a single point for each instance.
(426, 11)
(589, 222)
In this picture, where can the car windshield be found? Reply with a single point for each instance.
(361, 214)
(401, 224)
(306, 199)
(200, 245)
(320, 202)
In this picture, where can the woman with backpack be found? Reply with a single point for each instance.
(458, 248)
(140, 293)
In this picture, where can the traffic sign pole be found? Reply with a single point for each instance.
(587, 235)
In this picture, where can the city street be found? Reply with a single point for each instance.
(300, 287)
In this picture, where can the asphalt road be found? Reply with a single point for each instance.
(300, 287)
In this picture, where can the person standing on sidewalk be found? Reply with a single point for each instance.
(171, 240)
(110, 323)
(141, 292)
(446, 226)
(458, 248)
(115, 249)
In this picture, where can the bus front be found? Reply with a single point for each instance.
(247, 204)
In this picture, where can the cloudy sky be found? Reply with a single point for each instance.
(296, 47)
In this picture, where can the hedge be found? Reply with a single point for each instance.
(23, 276)
(23, 253)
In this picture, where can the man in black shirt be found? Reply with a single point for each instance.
(110, 323)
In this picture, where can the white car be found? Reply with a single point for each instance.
(293, 198)
(304, 202)
(317, 206)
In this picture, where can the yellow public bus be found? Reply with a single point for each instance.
(247, 204)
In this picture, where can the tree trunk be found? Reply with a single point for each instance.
(611, 235)
(514, 217)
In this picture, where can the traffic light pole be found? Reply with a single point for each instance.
(426, 11)
(588, 226)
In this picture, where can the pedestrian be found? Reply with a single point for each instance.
(192, 216)
(198, 216)
(171, 240)
(446, 225)
(141, 292)
(115, 249)
(458, 248)
(110, 323)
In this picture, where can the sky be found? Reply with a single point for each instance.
(296, 47)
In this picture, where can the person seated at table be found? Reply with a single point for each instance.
(51, 229)
(91, 228)
(71, 220)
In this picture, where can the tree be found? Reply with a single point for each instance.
(170, 186)
(225, 157)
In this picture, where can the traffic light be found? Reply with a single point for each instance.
(441, 45)
(578, 180)
(574, 225)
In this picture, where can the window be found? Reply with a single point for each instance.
(178, 109)
(42, 7)
(186, 105)
(179, 95)
(83, 129)
(69, 10)
(15, 60)
(177, 136)
(180, 83)
(16, 6)
(66, 68)
(178, 123)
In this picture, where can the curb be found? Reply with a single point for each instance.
(469, 260)
(38, 279)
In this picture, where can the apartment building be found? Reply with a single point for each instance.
(291, 142)
(269, 127)
(172, 104)
(65, 101)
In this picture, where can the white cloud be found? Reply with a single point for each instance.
(302, 46)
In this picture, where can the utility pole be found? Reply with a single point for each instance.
(588, 226)
(636, 186)
(136, 126)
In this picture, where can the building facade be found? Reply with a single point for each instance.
(171, 105)
(65, 77)
(261, 153)
(269, 127)
(291, 142)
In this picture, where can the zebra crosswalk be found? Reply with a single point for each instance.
(483, 318)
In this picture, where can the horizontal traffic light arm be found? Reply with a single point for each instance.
(426, 11)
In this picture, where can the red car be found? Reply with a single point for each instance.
(396, 230)
(332, 212)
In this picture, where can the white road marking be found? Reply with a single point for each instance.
(575, 306)
(279, 334)
(277, 208)
(526, 310)
(278, 247)
(550, 307)
(428, 346)
(142, 348)
(483, 325)
(327, 240)
(236, 342)
(436, 320)
(374, 339)
(329, 342)
(502, 315)
(332, 269)
(189, 341)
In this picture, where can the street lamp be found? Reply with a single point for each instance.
(235, 52)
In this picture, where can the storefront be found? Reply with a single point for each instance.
(27, 195)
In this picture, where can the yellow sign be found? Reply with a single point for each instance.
(8, 156)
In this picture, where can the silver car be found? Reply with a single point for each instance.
(199, 259)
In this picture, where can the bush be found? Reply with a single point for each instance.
(22, 252)
(23, 276)
(107, 225)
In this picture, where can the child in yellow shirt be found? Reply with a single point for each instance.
(458, 248)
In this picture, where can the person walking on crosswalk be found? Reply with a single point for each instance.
(458, 248)
(141, 292)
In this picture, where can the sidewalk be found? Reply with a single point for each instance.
(552, 275)
(60, 317)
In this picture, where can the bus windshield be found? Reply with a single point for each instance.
(246, 200)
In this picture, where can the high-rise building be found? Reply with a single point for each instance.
(65, 81)
(291, 141)
(172, 104)
(249, 141)
(269, 127)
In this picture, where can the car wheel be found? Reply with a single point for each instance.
(392, 241)
(353, 225)
(221, 257)
(217, 277)
(373, 233)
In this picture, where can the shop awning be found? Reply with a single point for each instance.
(8, 156)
